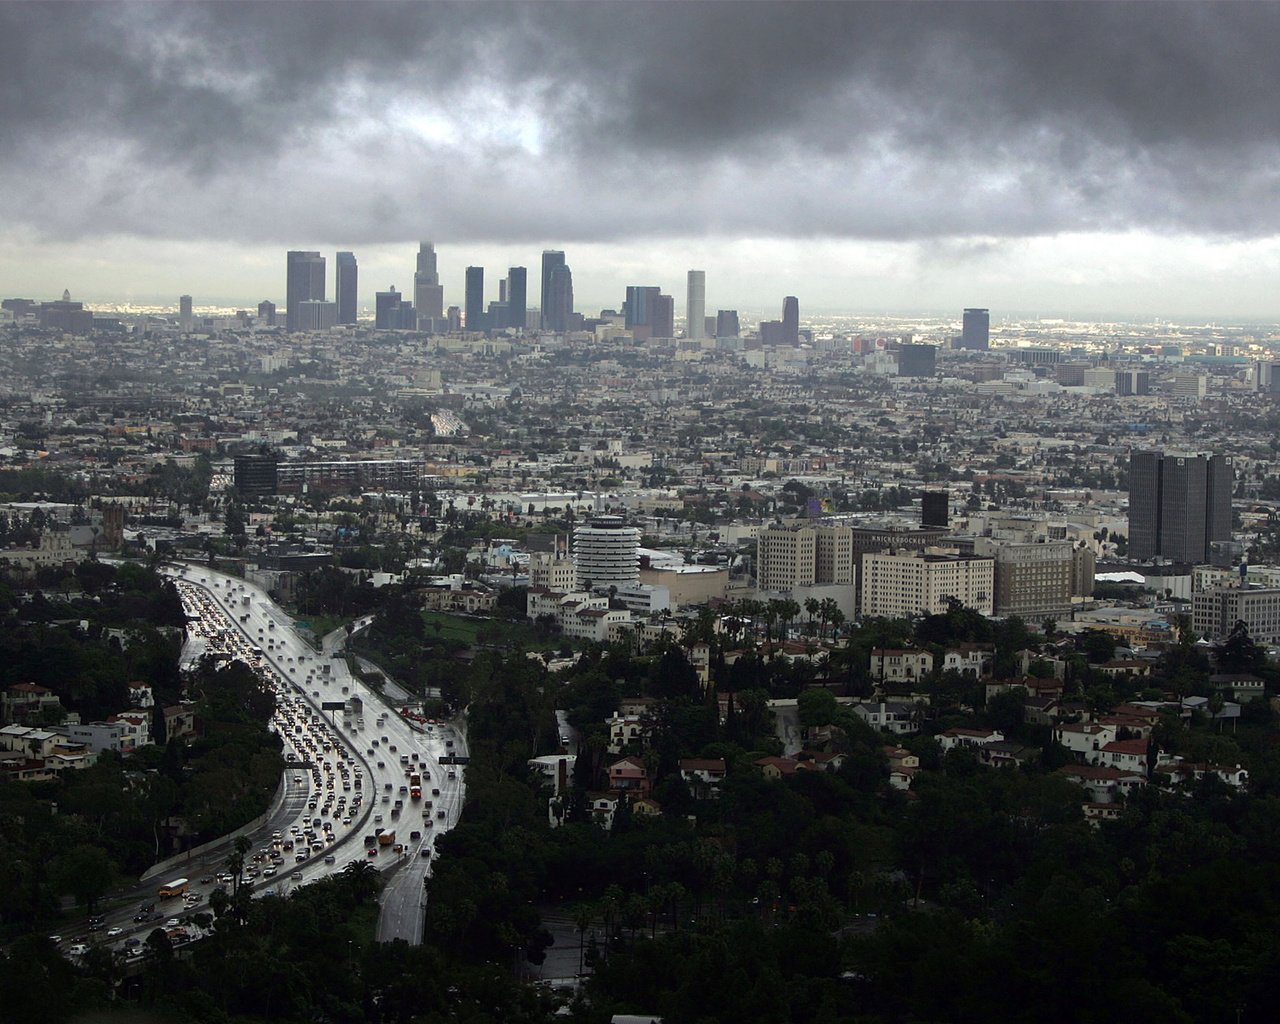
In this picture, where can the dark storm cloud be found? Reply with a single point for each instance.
(918, 121)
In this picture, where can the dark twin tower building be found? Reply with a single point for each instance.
(305, 306)
(1180, 507)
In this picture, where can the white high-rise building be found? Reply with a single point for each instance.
(606, 553)
(696, 305)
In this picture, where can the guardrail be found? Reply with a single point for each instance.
(165, 866)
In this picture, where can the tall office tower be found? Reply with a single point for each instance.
(551, 258)
(474, 303)
(727, 323)
(387, 309)
(1179, 505)
(428, 295)
(917, 360)
(316, 315)
(639, 311)
(557, 309)
(345, 286)
(791, 320)
(934, 508)
(606, 553)
(267, 313)
(976, 333)
(185, 318)
(1133, 382)
(695, 304)
(664, 317)
(304, 280)
(517, 297)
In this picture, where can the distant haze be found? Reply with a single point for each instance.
(1078, 159)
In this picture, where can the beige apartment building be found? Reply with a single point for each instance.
(920, 583)
(793, 556)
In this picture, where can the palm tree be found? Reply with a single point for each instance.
(811, 605)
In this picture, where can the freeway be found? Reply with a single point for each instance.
(387, 742)
(348, 782)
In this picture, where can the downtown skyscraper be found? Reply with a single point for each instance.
(551, 259)
(428, 294)
(695, 307)
(304, 281)
(474, 306)
(976, 331)
(517, 297)
(345, 286)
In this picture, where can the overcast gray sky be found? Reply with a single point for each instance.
(1068, 159)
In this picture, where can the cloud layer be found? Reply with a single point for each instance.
(365, 124)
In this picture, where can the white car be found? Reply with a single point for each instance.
(114, 933)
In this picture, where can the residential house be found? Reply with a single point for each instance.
(626, 731)
(29, 704)
(971, 739)
(899, 665)
(602, 807)
(646, 807)
(1084, 739)
(179, 721)
(1104, 784)
(28, 741)
(630, 778)
(819, 761)
(1034, 686)
(1240, 687)
(1041, 710)
(1118, 667)
(1184, 773)
(969, 659)
(703, 776)
(141, 695)
(1127, 755)
(100, 736)
(138, 726)
(897, 717)
(777, 767)
(1007, 754)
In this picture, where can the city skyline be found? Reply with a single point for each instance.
(895, 157)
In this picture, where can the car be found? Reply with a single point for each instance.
(79, 949)
(173, 922)
(440, 814)
(426, 852)
(139, 918)
(208, 879)
(373, 851)
(435, 792)
(132, 943)
(269, 872)
(114, 932)
(331, 859)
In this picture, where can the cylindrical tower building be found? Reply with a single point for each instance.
(606, 554)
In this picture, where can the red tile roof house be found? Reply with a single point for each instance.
(1127, 755)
